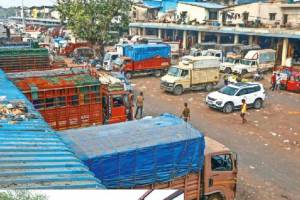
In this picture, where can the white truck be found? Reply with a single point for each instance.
(256, 60)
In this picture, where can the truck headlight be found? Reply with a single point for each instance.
(171, 84)
(219, 103)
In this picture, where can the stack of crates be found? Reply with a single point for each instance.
(66, 101)
(24, 59)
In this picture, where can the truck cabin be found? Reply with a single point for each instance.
(117, 105)
(248, 62)
(109, 59)
(220, 170)
(232, 60)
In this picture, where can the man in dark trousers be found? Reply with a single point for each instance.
(186, 114)
(273, 81)
(139, 105)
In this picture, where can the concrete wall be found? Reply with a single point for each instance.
(256, 11)
(193, 12)
(141, 13)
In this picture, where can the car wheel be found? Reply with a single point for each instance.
(228, 108)
(244, 71)
(209, 87)
(258, 103)
(178, 90)
(157, 73)
(227, 70)
(215, 197)
(128, 75)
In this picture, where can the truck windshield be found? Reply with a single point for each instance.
(174, 71)
(230, 60)
(107, 57)
(228, 90)
(246, 62)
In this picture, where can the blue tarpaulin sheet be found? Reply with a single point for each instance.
(141, 52)
(140, 152)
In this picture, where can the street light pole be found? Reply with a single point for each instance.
(23, 17)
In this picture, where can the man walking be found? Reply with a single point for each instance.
(139, 105)
(273, 81)
(278, 81)
(186, 114)
(243, 111)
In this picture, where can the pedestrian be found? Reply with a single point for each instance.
(186, 114)
(278, 80)
(273, 81)
(226, 80)
(139, 105)
(243, 111)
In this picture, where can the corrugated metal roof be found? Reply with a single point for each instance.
(205, 5)
(33, 156)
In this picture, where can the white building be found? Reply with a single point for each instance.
(266, 14)
(199, 12)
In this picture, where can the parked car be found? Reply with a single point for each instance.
(229, 98)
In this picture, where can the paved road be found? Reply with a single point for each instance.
(268, 145)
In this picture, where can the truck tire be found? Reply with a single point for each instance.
(258, 104)
(157, 73)
(244, 71)
(215, 197)
(178, 90)
(228, 70)
(228, 107)
(209, 87)
(128, 75)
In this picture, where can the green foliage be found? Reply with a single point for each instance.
(21, 195)
(94, 20)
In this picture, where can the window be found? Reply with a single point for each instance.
(117, 101)
(221, 163)
(242, 92)
(285, 18)
(213, 15)
(114, 57)
(74, 100)
(184, 73)
(218, 55)
(272, 16)
(245, 16)
(49, 102)
(38, 104)
(253, 89)
(61, 101)
(98, 98)
(86, 99)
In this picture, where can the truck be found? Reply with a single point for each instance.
(192, 73)
(144, 59)
(256, 60)
(178, 156)
(70, 47)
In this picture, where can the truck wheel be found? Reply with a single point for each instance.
(228, 108)
(178, 90)
(157, 73)
(244, 72)
(209, 87)
(227, 70)
(258, 103)
(128, 75)
(215, 197)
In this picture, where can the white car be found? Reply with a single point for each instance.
(229, 98)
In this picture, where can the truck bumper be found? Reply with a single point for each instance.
(166, 88)
(214, 106)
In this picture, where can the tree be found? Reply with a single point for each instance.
(21, 195)
(94, 20)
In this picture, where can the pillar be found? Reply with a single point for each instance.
(236, 39)
(144, 32)
(218, 38)
(130, 31)
(250, 41)
(159, 33)
(199, 37)
(284, 51)
(184, 40)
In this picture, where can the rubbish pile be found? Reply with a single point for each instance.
(14, 111)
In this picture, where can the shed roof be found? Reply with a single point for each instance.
(32, 155)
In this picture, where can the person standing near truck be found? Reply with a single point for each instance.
(273, 81)
(243, 111)
(186, 113)
(139, 105)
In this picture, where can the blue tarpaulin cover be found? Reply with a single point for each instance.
(141, 52)
(139, 152)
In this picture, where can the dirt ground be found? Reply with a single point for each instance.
(268, 145)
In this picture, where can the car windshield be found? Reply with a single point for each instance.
(246, 62)
(174, 71)
(228, 90)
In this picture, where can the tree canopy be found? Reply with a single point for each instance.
(94, 20)
(21, 195)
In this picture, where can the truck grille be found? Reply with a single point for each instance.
(164, 83)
